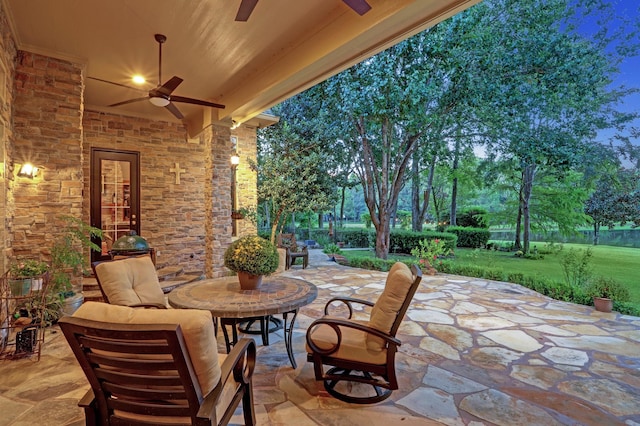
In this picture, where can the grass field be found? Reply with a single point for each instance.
(620, 263)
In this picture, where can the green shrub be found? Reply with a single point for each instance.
(331, 249)
(470, 237)
(576, 267)
(609, 288)
(627, 308)
(472, 217)
(405, 241)
(371, 263)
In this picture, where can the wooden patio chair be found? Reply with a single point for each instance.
(295, 250)
(363, 351)
(152, 366)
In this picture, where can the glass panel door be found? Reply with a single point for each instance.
(114, 196)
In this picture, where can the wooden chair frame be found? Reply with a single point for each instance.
(382, 377)
(124, 380)
(292, 250)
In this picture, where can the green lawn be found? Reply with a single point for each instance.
(620, 263)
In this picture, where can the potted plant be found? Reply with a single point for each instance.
(604, 291)
(26, 275)
(69, 263)
(251, 257)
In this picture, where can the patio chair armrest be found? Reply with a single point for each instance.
(88, 403)
(336, 324)
(347, 301)
(240, 363)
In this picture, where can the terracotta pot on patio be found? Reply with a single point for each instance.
(603, 304)
(249, 281)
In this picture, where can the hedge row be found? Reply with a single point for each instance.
(554, 289)
(471, 237)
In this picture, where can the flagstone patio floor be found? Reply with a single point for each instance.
(474, 352)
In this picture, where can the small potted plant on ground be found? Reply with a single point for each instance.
(251, 257)
(604, 291)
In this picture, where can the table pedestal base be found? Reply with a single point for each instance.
(267, 323)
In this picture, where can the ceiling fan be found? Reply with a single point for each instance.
(161, 95)
(246, 8)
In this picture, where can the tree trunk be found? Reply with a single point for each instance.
(454, 185)
(320, 220)
(527, 188)
(596, 233)
(342, 206)
(416, 220)
(517, 242)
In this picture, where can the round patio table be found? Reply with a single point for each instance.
(225, 300)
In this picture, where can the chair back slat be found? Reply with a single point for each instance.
(135, 370)
(143, 381)
(142, 346)
(159, 394)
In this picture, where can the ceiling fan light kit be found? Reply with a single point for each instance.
(161, 95)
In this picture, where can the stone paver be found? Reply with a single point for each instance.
(475, 352)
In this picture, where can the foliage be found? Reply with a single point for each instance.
(470, 237)
(614, 201)
(292, 174)
(331, 249)
(627, 308)
(543, 112)
(27, 268)
(576, 267)
(608, 288)
(405, 241)
(67, 253)
(366, 218)
(428, 250)
(371, 263)
(472, 217)
(249, 213)
(252, 254)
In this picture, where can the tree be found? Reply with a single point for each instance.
(546, 89)
(291, 174)
(615, 200)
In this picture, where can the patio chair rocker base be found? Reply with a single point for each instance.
(336, 375)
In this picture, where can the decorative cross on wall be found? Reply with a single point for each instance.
(177, 170)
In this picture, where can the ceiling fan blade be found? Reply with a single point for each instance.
(168, 87)
(245, 10)
(174, 110)
(195, 102)
(359, 6)
(117, 84)
(130, 101)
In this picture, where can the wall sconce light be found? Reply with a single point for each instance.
(235, 159)
(28, 170)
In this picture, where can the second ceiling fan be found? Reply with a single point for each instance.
(246, 8)
(162, 94)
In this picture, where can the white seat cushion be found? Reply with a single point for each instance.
(130, 281)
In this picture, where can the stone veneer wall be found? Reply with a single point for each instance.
(47, 124)
(246, 179)
(188, 223)
(7, 72)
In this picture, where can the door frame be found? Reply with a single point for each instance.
(132, 157)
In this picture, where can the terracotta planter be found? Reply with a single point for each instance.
(249, 281)
(603, 304)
